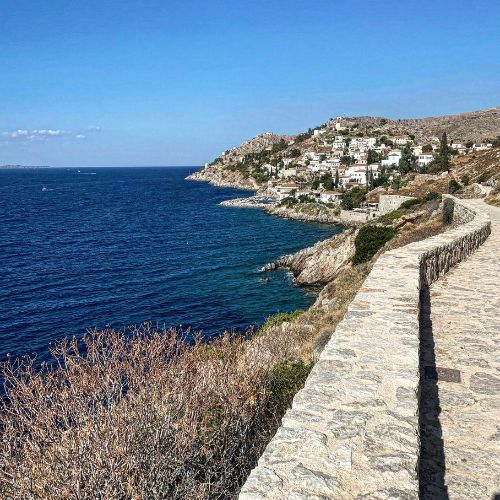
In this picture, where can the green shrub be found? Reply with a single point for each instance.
(465, 180)
(369, 240)
(453, 186)
(482, 178)
(391, 216)
(285, 380)
(432, 196)
(278, 318)
(288, 201)
(410, 203)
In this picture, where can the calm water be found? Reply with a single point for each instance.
(129, 245)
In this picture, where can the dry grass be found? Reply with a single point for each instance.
(143, 415)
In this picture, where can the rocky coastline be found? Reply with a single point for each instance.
(313, 266)
(320, 263)
(223, 178)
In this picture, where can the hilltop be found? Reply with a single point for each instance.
(343, 141)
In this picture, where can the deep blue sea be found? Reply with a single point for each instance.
(122, 246)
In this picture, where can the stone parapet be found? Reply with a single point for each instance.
(353, 430)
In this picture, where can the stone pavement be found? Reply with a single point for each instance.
(460, 377)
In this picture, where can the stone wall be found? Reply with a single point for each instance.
(352, 431)
(356, 217)
(389, 202)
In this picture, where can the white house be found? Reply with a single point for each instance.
(283, 191)
(330, 197)
(287, 172)
(424, 159)
(401, 141)
(392, 159)
(314, 195)
(481, 146)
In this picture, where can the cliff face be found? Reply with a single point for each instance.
(320, 263)
(222, 177)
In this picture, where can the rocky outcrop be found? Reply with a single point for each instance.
(305, 212)
(223, 177)
(320, 263)
(249, 202)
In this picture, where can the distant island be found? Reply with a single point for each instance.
(24, 166)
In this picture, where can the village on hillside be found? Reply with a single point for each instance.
(338, 163)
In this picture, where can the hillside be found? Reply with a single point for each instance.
(254, 162)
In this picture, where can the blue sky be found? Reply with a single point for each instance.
(176, 82)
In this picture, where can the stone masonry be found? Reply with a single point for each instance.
(460, 424)
(353, 430)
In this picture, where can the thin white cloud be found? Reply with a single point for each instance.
(49, 132)
(25, 135)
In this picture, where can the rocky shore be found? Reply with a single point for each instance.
(224, 178)
(305, 212)
(321, 263)
(250, 202)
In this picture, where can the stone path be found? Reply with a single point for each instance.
(460, 373)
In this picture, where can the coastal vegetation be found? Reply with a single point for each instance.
(369, 240)
(145, 414)
(278, 319)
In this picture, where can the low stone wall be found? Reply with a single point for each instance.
(355, 217)
(389, 202)
(352, 431)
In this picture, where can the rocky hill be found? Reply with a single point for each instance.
(245, 166)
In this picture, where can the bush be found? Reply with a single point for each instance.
(410, 203)
(465, 180)
(278, 318)
(482, 178)
(453, 186)
(368, 241)
(433, 195)
(352, 198)
(285, 380)
(391, 216)
(146, 414)
(288, 201)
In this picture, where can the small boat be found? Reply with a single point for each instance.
(265, 280)
(45, 188)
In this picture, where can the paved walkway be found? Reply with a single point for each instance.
(460, 398)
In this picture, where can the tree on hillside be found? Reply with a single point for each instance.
(444, 153)
(373, 156)
(408, 161)
(352, 198)
(442, 162)
(346, 160)
(427, 148)
(337, 180)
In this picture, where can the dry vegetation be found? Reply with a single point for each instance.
(143, 415)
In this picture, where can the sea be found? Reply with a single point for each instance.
(84, 248)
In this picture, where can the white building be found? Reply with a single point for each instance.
(283, 191)
(424, 159)
(287, 172)
(392, 159)
(330, 197)
(401, 141)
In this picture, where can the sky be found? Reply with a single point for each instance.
(102, 82)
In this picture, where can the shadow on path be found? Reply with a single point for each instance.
(432, 466)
